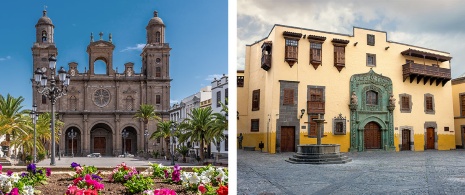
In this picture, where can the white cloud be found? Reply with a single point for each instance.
(431, 24)
(138, 47)
(5, 58)
(213, 76)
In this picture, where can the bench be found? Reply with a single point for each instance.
(249, 148)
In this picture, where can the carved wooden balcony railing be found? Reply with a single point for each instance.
(266, 62)
(427, 73)
(315, 107)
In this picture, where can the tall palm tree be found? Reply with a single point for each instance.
(146, 112)
(200, 122)
(13, 120)
(163, 131)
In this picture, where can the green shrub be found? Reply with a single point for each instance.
(138, 183)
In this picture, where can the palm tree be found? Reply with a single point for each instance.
(13, 120)
(146, 112)
(163, 131)
(196, 127)
(216, 134)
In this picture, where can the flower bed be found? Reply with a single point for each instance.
(124, 179)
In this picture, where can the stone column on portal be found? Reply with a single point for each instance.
(85, 136)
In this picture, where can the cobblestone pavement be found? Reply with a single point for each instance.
(429, 172)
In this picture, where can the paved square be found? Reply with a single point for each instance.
(429, 172)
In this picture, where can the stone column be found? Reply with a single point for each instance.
(353, 128)
(85, 136)
(118, 145)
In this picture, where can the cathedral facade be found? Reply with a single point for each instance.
(99, 107)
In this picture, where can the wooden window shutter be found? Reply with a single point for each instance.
(429, 103)
(462, 97)
(405, 103)
(256, 100)
(288, 98)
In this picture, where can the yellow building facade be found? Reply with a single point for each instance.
(374, 94)
(458, 98)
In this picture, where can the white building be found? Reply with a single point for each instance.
(220, 94)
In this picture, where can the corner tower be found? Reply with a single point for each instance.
(42, 49)
(156, 53)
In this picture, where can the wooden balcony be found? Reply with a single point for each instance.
(427, 73)
(315, 107)
(266, 62)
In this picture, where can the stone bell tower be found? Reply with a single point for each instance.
(42, 49)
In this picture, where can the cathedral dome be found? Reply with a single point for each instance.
(155, 20)
(45, 19)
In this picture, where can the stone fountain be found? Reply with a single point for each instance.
(318, 153)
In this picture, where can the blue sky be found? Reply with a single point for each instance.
(197, 32)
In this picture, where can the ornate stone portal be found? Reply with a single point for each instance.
(371, 124)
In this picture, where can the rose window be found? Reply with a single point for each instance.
(101, 97)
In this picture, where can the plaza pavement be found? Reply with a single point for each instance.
(380, 172)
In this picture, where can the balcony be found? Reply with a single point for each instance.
(315, 107)
(266, 62)
(427, 73)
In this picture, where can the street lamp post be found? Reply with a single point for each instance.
(52, 92)
(72, 135)
(125, 134)
(146, 133)
(34, 115)
(172, 142)
(59, 138)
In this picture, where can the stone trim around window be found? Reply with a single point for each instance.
(424, 104)
(402, 110)
(462, 110)
(339, 125)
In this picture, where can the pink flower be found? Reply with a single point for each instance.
(1, 167)
(71, 190)
(202, 189)
(164, 191)
(78, 169)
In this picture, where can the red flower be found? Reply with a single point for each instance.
(223, 190)
(77, 180)
(202, 189)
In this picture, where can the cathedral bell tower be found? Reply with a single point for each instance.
(42, 49)
(156, 53)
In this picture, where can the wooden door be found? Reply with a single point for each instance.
(372, 136)
(128, 146)
(287, 139)
(405, 139)
(99, 145)
(72, 147)
(430, 139)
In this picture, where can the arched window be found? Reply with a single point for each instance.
(129, 103)
(100, 67)
(157, 37)
(157, 71)
(372, 98)
(73, 103)
(44, 36)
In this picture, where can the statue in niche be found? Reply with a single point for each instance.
(392, 100)
(129, 71)
(353, 98)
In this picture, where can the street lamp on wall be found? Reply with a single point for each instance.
(302, 112)
(53, 91)
(34, 116)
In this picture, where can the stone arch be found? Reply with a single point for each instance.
(129, 144)
(375, 119)
(100, 66)
(72, 145)
(101, 139)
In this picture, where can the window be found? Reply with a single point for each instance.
(240, 81)
(73, 103)
(339, 56)
(158, 140)
(371, 40)
(462, 104)
(129, 103)
(288, 97)
(312, 129)
(157, 37)
(315, 53)
(429, 103)
(256, 100)
(405, 103)
(218, 99)
(255, 125)
(291, 51)
(226, 96)
(372, 98)
(158, 72)
(226, 143)
(44, 99)
(44, 36)
(339, 125)
(371, 59)
(158, 99)
(446, 128)
(316, 100)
